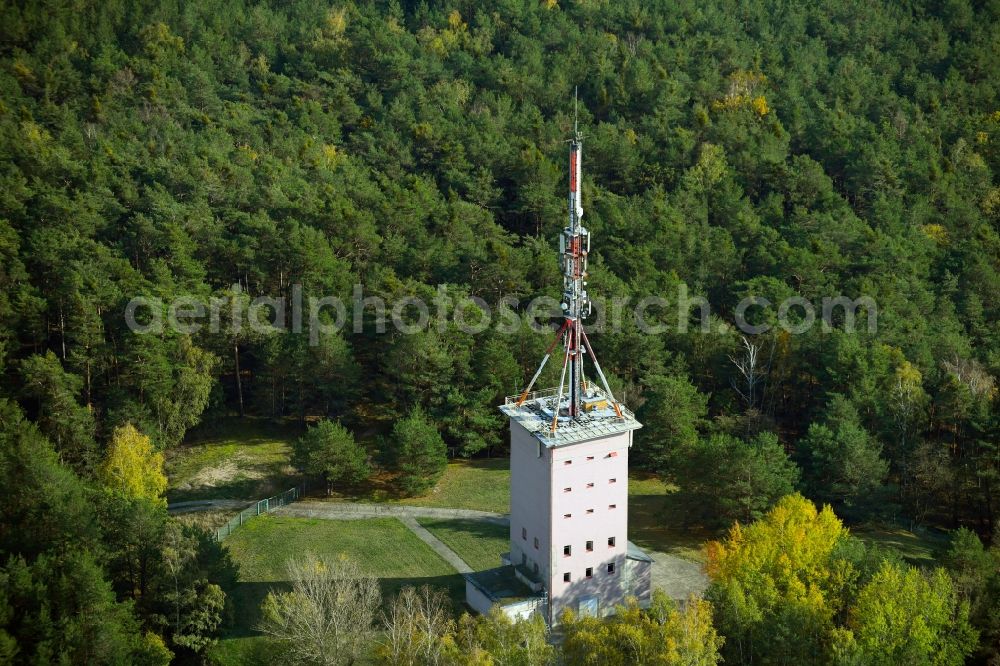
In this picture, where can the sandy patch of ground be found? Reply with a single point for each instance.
(237, 468)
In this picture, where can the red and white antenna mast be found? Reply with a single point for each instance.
(574, 247)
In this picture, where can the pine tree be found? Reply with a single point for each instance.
(420, 452)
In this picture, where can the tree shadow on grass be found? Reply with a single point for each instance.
(247, 598)
(657, 523)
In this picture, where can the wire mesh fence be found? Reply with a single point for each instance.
(260, 507)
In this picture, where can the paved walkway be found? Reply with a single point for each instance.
(439, 547)
(352, 510)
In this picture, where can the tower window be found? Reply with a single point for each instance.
(590, 457)
(613, 454)
(590, 546)
(567, 550)
(612, 506)
(612, 480)
(590, 485)
(611, 567)
(567, 515)
(566, 577)
(567, 462)
(590, 511)
(590, 572)
(611, 542)
(567, 490)
(536, 543)
(524, 533)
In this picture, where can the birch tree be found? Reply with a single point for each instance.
(328, 616)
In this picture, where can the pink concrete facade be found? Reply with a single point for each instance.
(574, 496)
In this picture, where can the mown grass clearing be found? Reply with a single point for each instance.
(919, 549)
(384, 547)
(240, 459)
(478, 542)
(649, 526)
(480, 484)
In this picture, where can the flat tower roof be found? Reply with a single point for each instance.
(502, 585)
(538, 409)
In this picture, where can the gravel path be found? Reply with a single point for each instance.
(439, 547)
(352, 510)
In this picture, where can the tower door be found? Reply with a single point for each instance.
(588, 607)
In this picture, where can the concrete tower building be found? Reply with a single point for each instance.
(569, 543)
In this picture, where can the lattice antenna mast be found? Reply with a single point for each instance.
(574, 248)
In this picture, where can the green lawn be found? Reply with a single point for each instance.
(484, 484)
(649, 525)
(917, 549)
(478, 542)
(480, 484)
(237, 459)
(384, 547)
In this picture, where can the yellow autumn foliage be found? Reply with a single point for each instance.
(760, 106)
(936, 233)
(663, 634)
(742, 93)
(786, 555)
(133, 466)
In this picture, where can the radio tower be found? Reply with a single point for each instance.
(569, 449)
(574, 247)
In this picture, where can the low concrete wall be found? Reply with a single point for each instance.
(478, 601)
(524, 609)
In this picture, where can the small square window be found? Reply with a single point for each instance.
(524, 533)
(590, 485)
(590, 546)
(536, 543)
(567, 490)
(567, 550)
(590, 511)
(613, 454)
(612, 506)
(590, 572)
(611, 541)
(567, 515)
(590, 457)
(567, 462)
(611, 567)
(612, 480)
(566, 577)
